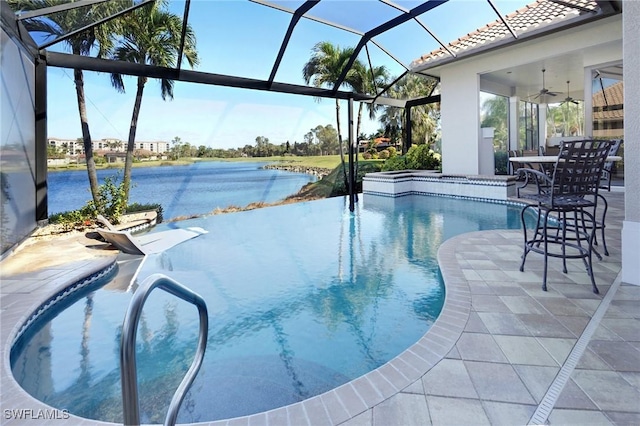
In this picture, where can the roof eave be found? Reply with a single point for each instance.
(522, 37)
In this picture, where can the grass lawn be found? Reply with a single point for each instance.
(322, 161)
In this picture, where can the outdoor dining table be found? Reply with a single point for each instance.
(550, 159)
(543, 161)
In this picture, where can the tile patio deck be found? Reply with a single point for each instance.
(503, 352)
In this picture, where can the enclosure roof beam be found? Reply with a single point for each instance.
(306, 6)
(392, 23)
(66, 60)
(99, 22)
(55, 9)
(185, 23)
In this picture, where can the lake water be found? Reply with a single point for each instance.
(183, 190)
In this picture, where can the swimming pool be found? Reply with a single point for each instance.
(302, 298)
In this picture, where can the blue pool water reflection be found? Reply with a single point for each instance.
(301, 299)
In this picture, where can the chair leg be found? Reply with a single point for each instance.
(589, 259)
(563, 222)
(603, 224)
(595, 240)
(546, 250)
(524, 228)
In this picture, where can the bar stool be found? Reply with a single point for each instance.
(565, 204)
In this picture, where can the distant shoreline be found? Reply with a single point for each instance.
(318, 172)
(319, 166)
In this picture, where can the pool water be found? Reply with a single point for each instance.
(302, 298)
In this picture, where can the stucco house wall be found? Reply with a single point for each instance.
(631, 224)
(597, 43)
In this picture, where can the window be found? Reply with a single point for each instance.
(528, 126)
(565, 119)
(607, 113)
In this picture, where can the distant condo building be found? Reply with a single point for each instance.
(76, 146)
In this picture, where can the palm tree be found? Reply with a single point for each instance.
(495, 114)
(423, 117)
(367, 81)
(150, 35)
(101, 36)
(324, 69)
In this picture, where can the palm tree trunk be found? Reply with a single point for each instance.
(128, 164)
(86, 139)
(359, 120)
(341, 145)
(358, 135)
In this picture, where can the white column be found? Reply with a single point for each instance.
(514, 122)
(460, 109)
(542, 125)
(631, 223)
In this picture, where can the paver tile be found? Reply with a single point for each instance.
(558, 348)
(523, 305)
(449, 378)
(620, 356)
(502, 413)
(627, 328)
(479, 347)
(578, 417)
(544, 326)
(573, 397)
(503, 323)
(524, 350)
(608, 390)
(456, 411)
(498, 382)
(537, 379)
(402, 409)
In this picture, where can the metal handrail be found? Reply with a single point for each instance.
(128, 371)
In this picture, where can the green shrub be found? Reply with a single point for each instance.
(111, 199)
(384, 154)
(501, 162)
(366, 155)
(74, 219)
(137, 207)
(397, 162)
(392, 151)
(421, 157)
(110, 205)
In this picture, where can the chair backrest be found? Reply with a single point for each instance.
(615, 146)
(605, 177)
(578, 168)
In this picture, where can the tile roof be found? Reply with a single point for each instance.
(612, 96)
(531, 17)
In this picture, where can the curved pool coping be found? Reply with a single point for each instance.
(332, 407)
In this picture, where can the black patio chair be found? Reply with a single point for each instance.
(605, 183)
(605, 178)
(565, 203)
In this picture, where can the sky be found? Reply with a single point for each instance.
(242, 38)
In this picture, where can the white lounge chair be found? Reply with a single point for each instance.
(155, 242)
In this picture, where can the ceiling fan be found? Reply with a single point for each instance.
(544, 91)
(568, 98)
